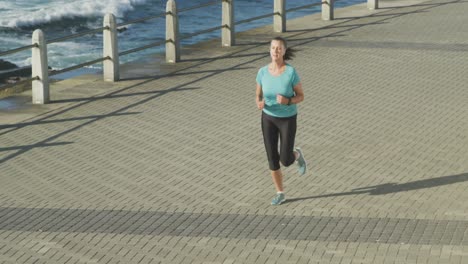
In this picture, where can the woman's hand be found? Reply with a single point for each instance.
(282, 99)
(260, 104)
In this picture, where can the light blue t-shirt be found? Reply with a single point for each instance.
(274, 85)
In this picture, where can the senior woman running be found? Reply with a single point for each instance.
(279, 90)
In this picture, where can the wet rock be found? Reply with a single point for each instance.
(6, 65)
(9, 72)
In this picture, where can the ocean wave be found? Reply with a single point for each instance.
(13, 40)
(23, 17)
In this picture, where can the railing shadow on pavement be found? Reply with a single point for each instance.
(24, 124)
(180, 87)
(95, 98)
(203, 61)
(393, 15)
(85, 101)
(49, 140)
(389, 188)
(259, 43)
(387, 9)
(348, 19)
(338, 25)
(178, 73)
(379, 14)
(353, 27)
(223, 57)
(115, 112)
(435, 4)
(33, 146)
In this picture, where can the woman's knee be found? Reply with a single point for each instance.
(287, 162)
(274, 166)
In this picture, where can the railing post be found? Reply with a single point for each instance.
(373, 4)
(327, 9)
(40, 68)
(279, 18)
(227, 32)
(172, 33)
(110, 49)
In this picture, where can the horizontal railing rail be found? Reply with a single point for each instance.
(8, 52)
(111, 54)
(141, 20)
(78, 66)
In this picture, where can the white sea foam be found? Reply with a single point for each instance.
(61, 54)
(5, 5)
(7, 40)
(25, 14)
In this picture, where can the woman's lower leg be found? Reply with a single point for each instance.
(277, 177)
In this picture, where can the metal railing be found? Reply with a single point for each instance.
(18, 49)
(110, 58)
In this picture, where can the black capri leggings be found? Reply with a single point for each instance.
(284, 130)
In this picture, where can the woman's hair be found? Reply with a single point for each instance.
(289, 54)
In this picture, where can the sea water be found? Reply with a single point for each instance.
(59, 18)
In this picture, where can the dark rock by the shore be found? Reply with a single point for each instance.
(6, 65)
(11, 72)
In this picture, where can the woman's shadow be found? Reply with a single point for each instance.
(394, 187)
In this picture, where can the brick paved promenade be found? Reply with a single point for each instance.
(169, 166)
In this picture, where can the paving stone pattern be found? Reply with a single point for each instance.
(167, 165)
(238, 226)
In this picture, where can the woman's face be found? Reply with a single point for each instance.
(277, 50)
